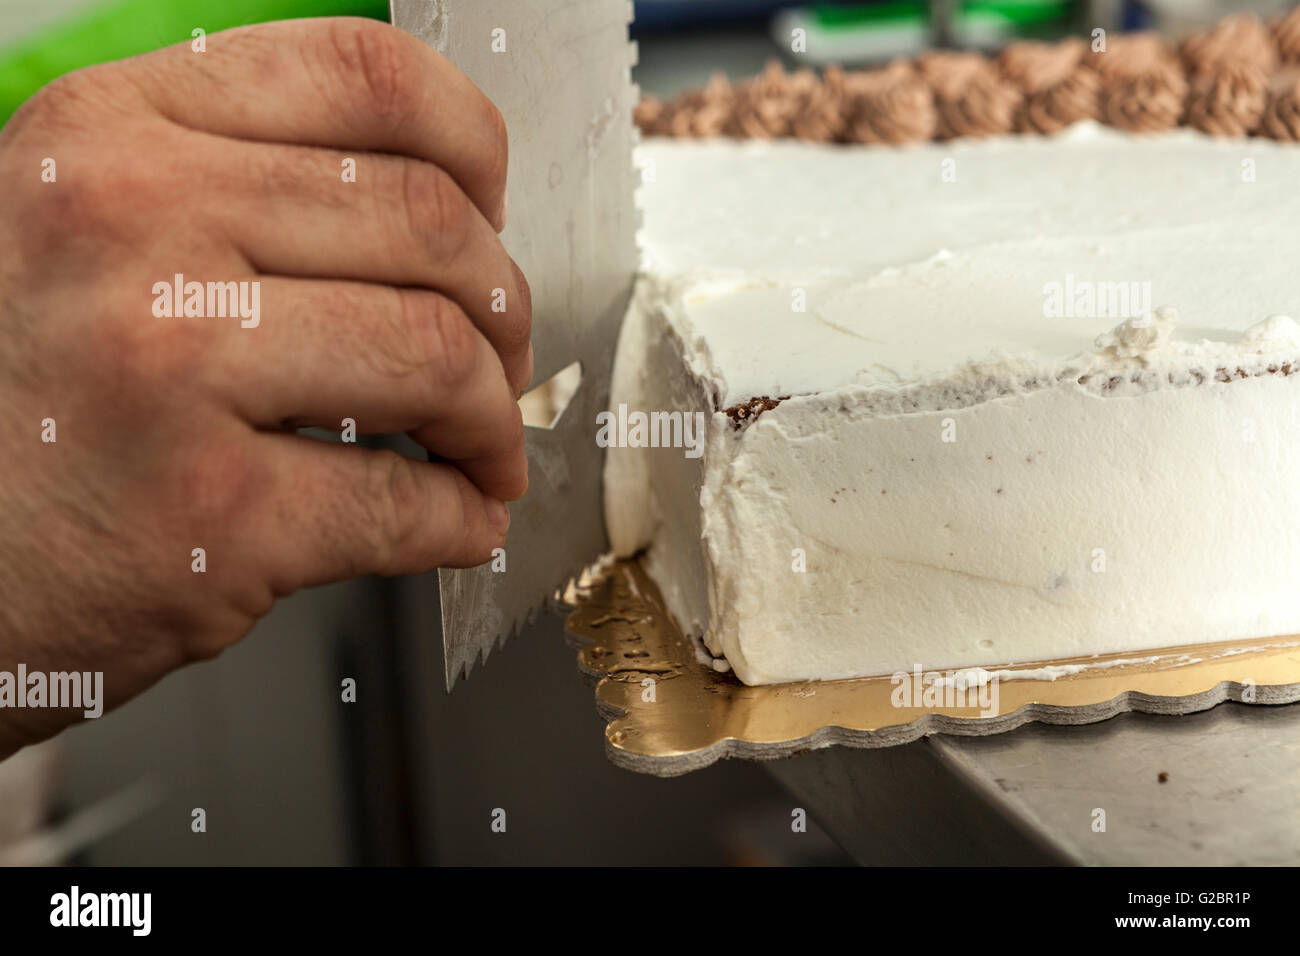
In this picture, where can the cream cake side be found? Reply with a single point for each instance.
(957, 462)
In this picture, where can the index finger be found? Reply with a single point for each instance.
(338, 82)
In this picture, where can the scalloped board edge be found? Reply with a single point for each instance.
(668, 713)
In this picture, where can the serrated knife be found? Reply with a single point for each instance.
(560, 72)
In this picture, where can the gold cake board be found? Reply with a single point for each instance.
(668, 713)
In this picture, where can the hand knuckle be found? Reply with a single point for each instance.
(98, 206)
(387, 350)
(445, 341)
(465, 503)
(78, 105)
(64, 100)
(98, 192)
(438, 212)
(215, 485)
(394, 504)
(115, 211)
(381, 57)
(453, 346)
(142, 355)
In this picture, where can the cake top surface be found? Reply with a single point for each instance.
(791, 268)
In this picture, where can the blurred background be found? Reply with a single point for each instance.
(286, 772)
(683, 41)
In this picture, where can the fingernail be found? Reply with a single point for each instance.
(498, 515)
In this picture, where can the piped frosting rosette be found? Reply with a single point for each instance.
(1235, 78)
(971, 96)
(1142, 83)
(1228, 68)
(1058, 86)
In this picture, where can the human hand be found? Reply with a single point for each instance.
(371, 300)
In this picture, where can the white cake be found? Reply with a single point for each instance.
(966, 466)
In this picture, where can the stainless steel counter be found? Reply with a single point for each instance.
(1231, 795)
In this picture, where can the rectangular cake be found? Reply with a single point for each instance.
(964, 404)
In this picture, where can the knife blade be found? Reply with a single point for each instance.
(560, 72)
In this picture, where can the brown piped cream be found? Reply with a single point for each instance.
(1228, 99)
(1285, 31)
(1241, 38)
(971, 97)
(890, 105)
(1142, 84)
(1233, 79)
(1058, 87)
(1281, 119)
(762, 108)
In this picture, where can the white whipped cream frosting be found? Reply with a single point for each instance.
(931, 280)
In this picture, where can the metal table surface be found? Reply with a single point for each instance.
(1031, 796)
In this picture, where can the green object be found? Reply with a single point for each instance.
(858, 15)
(1023, 12)
(850, 16)
(122, 28)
